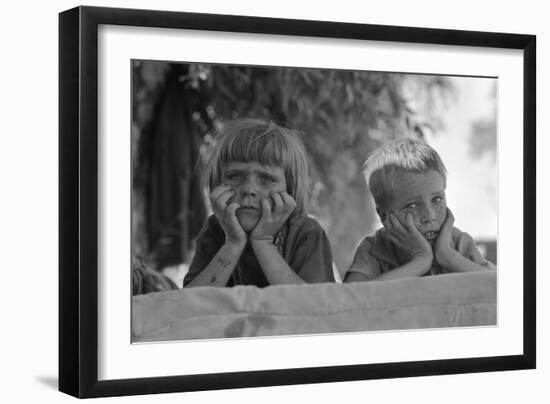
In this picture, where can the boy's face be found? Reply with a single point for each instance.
(423, 195)
(251, 182)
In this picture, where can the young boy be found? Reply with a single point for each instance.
(407, 180)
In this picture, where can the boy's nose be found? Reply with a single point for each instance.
(429, 215)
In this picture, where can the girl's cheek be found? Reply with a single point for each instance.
(234, 196)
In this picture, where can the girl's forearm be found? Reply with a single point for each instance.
(275, 268)
(219, 270)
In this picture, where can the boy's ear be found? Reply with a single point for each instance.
(381, 214)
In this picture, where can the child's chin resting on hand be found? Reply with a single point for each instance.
(407, 179)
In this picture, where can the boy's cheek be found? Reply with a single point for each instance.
(383, 216)
(442, 216)
(402, 217)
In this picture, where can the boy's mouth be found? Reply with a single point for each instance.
(431, 235)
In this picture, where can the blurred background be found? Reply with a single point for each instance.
(343, 115)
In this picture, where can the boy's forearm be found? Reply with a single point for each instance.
(219, 270)
(414, 268)
(455, 262)
(276, 269)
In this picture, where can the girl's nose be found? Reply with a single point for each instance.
(248, 188)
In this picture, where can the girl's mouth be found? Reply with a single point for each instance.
(247, 209)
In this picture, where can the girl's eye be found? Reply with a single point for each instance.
(233, 176)
(411, 206)
(267, 180)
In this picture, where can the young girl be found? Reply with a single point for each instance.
(259, 233)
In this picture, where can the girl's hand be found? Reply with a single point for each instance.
(272, 220)
(443, 244)
(234, 233)
(408, 238)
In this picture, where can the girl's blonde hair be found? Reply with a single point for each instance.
(394, 159)
(263, 142)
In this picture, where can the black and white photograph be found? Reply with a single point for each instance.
(252, 202)
(275, 202)
(272, 201)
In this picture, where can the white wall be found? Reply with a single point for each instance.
(28, 206)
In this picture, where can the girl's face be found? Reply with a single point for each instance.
(252, 181)
(423, 195)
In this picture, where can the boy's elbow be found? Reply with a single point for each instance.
(355, 277)
(488, 265)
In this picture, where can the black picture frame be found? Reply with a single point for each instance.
(78, 200)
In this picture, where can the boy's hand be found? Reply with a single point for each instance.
(407, 237)
(272, 220)
(234, 233)
(443, 244)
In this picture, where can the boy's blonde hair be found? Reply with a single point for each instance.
(263, 142)
(394, 159)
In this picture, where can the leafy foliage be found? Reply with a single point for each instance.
(343, 115)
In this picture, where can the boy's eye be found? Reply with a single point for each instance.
(411, 206)
(437, 199)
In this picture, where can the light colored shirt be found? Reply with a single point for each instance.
(377, 254)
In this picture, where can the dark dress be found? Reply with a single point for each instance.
(302, 242)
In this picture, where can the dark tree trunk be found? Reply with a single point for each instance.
(173, 205)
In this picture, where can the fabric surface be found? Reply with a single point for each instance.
(450, 300)
(305, 248)
(377, 254)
